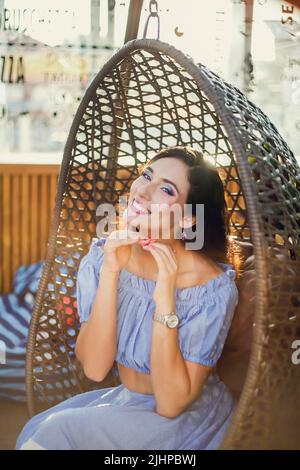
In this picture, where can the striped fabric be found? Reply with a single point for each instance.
(15, 314)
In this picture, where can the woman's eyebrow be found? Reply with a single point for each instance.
(164, 179)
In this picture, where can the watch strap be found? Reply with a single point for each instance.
(162, 318)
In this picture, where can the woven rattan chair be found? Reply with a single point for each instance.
(146, 97)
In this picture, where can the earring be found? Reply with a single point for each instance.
(183, 236)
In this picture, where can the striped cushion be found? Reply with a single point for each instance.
(27, 278)
(15, 314)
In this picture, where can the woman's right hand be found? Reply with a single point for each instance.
(117, 249)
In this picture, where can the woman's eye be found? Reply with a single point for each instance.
(144, 174)
(169, 191)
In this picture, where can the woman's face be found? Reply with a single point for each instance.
(155, 197)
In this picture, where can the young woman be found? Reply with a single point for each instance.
(162, 312)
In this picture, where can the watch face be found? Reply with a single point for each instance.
(172, 321)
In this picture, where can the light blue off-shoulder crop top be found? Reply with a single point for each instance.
(205, 312)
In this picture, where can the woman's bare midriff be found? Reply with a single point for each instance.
(135, 381)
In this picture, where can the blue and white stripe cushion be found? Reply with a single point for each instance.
(15, 313)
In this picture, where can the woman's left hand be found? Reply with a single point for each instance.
(167, 271)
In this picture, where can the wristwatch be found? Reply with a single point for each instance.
(171, 319)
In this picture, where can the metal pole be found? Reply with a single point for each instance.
(248, 69)
(133, 19)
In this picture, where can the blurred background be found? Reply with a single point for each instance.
(51, 50)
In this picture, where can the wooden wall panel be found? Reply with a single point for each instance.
(27, 199)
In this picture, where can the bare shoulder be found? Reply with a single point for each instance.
(201, 270)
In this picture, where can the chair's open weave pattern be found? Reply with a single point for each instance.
(146, 97)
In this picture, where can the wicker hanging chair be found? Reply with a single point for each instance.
(148, 96)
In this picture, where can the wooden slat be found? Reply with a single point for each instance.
(6, 238)
(25, 220)
(16, 234)
(34, 246)
(44, 213)
(53, 189)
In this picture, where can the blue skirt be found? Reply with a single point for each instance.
(116, 418)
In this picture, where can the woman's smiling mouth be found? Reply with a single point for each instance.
(138, 208)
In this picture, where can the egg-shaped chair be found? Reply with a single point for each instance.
(148, 96)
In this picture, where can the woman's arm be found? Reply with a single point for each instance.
(96, 344)
(169, 377)
(97, 340)
(176, 382)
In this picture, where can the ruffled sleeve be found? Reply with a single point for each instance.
(203, 332)
(88, 279)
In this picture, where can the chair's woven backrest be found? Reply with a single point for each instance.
(146, 97)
